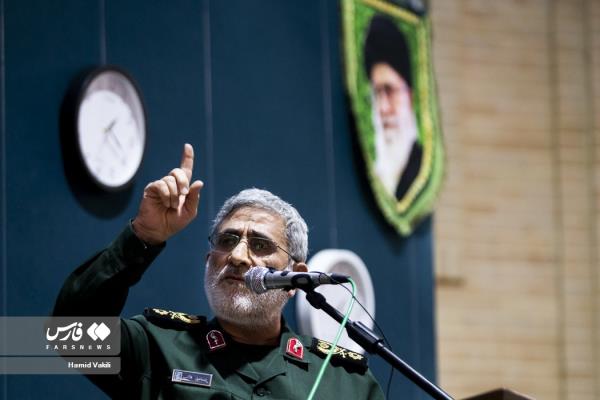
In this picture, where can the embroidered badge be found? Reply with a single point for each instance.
(340, 354)
(173, 320)
(215, 340)
(324, 348)
(294, 348)
(186, 318)
(192, 378)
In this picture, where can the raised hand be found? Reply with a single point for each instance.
(169, 204)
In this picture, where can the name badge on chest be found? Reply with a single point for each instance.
(191, 378)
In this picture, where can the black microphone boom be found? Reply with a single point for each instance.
(261, 279)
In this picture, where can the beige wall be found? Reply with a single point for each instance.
(517, 221)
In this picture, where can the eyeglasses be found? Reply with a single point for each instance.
(259, 246)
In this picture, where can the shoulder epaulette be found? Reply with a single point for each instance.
(173, 319)
(341, 356)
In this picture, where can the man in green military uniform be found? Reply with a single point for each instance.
(247, 351)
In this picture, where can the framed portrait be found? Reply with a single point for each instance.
(391, 85)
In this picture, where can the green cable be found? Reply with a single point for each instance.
(335, 342)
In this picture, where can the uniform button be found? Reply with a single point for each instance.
(261, 391)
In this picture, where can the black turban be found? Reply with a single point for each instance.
(385, 43)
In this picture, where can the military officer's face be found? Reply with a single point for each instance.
(250, 224)
(229, 261)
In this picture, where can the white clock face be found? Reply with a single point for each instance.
(111, 129)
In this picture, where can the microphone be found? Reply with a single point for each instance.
(261, 279)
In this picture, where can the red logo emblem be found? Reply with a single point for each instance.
(295, 348)
(215, 340)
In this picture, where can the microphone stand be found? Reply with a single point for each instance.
(369, 341)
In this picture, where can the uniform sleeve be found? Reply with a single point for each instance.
(99, 287)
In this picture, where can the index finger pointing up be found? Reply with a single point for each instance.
(187, 160)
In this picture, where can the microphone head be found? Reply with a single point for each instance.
(255, 279)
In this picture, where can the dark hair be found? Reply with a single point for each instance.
(385, 43)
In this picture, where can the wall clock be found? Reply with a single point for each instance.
(110, 127)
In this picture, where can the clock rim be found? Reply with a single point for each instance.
(88, 79)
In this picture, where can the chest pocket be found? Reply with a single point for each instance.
(183, 391)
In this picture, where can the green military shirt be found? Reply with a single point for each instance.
(168, 355)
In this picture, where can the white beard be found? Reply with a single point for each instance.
(234, 303)
(393, 145)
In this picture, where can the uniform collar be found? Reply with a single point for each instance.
(228, 356)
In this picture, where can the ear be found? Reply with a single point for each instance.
(298, 267)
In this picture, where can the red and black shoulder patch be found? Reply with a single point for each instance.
(173, 319)
(341, 356)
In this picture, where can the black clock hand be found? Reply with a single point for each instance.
(118, 152)
(110, 126)
(109, 131)
(111, 146)
(115, 139)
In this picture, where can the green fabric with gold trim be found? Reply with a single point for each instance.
(391, 85)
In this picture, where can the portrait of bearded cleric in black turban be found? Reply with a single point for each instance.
(387, 63)
(392, 91)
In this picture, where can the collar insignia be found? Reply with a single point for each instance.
(294, 348)
(215, 340)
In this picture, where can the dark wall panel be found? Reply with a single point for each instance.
(43, 50)
(161, 45)
(266, 99)
(257, 88)
(45, 45)
(51, 227)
